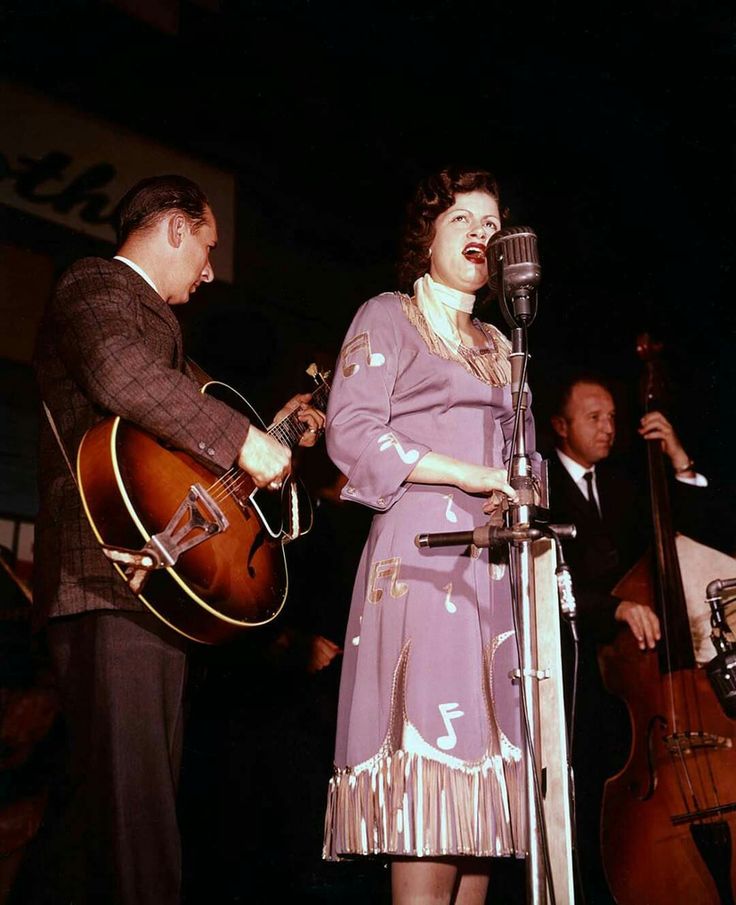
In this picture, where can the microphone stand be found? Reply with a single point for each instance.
(522, 528)
(521, 564)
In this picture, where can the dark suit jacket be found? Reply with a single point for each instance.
(604, 549)
(601, 553)
(108, 344)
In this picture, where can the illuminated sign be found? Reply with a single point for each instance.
(72, 168)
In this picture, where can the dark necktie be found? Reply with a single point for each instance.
(591, 496)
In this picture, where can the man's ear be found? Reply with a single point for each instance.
(176, 228)
(559, 425)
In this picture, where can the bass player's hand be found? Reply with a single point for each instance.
(643, 622)
(265, 459)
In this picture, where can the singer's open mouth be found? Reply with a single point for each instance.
(475, 252)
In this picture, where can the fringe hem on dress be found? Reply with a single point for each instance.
(408, 805)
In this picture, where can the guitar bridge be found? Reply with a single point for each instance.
(197, 519)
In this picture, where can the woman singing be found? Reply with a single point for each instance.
(428, 762)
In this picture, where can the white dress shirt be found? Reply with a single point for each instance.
(577, 472)
(139, 270)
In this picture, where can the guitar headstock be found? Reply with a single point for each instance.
(316, 374)
(319, 397)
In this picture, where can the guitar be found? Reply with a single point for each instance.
(204, 552)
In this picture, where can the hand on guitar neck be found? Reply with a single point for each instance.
(311, 418)
(267, 460)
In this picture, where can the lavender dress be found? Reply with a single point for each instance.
(428, 758)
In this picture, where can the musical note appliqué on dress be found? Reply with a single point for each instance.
(390, 439)
(358, 343)
(449, 605)
(384, 569)
(449, 712)
(449, 514)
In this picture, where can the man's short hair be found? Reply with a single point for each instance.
(564, 389)
(152, 198)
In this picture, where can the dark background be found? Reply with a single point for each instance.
(610, 129)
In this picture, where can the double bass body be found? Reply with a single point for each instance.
(669, 816)
(668, 821)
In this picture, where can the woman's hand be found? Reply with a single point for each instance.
(482, 479)
(436, 468)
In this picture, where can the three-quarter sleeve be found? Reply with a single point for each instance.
(361, 440)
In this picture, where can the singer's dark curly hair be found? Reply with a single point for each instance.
(434, 195)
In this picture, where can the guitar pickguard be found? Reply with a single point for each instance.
(197, 519)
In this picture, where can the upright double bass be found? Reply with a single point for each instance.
(668, 822)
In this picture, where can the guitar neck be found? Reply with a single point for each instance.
(289, 430)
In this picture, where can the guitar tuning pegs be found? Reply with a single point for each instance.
(316, 374)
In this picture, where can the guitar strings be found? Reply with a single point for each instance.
(288, 432)
(224, 486)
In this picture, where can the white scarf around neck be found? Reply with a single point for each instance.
(433, 299)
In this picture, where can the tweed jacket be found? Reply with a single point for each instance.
(109, 344)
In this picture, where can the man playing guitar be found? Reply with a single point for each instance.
(109, 344)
